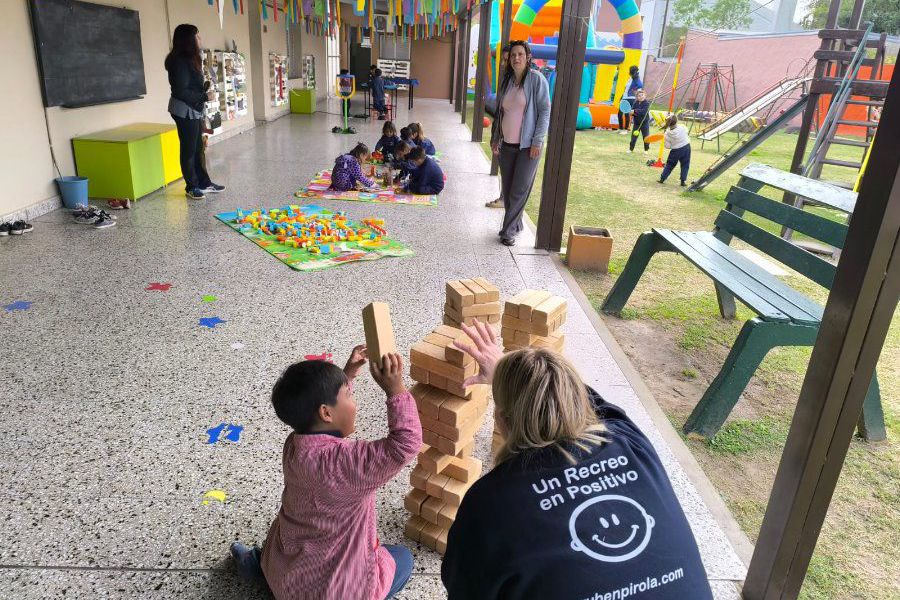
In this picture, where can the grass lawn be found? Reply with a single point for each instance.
(672, 332)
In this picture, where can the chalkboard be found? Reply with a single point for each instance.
(87, 53)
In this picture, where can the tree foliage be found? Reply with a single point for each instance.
(722, 14)
(884, 15)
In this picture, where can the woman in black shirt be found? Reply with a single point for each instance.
(186, 105)
(578, 505)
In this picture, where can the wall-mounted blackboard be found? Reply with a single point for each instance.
(88, 53)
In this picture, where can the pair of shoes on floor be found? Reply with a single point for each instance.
(247, 560)
(91, 215)
(498, 203)
(631, 151)
(683, 184)
(660, 181)
(623, 132)
(508, 241)
(198, 193)
(119, 203)
(15, 228)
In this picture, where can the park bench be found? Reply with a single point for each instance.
(785, 317)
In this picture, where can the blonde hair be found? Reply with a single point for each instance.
(543, 402)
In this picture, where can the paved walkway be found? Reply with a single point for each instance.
(108, 389)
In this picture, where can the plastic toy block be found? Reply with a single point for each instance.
(379, 332)
(427, 400)
(479, 310)
(528, 326)
(466, 469)
(418, 478)
(419, 374)
(414, 526)
(414, 500)
(490, 288)
(548, 310)
(431, 357)
(431, 535)
(453, 491)
(434, 486)
(431, 508)
(434, 461)
(447, 515)
(459, 295)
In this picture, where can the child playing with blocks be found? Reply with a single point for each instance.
(425, 176)
(387, 143)
(417, 134)
(347, 173)
(323, 543)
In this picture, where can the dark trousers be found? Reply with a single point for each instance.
(624, 120)
(642, 125)
(678, 155)
(191, 142)
(517, 171)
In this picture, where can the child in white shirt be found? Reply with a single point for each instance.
(679, 144)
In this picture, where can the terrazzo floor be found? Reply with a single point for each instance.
(108, 388)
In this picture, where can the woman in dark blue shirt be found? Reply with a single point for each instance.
(578, 505)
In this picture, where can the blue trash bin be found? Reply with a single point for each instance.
(74, 191)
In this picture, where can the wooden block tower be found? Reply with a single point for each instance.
(532, 319)
(451, 415)
(470, 300)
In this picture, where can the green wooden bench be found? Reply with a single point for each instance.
(786, 317)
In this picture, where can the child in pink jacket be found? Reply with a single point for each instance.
(323, 543)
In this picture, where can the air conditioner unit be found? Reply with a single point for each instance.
(383, 23)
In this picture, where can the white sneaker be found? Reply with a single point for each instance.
(104, 220)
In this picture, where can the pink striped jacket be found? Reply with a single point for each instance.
(323, 543)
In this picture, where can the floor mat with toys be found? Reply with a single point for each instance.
(319, 188)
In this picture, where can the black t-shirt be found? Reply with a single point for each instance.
(606, 528)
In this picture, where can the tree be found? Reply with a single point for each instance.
(884, 15)
(721, 14)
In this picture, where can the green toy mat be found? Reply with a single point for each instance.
(319, 188)
(330, 238)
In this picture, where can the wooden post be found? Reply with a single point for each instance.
(452, 65)
(856, 319)
(460, 82)
(506, 27)
(484, 62)
(563, 114)
(465, 66)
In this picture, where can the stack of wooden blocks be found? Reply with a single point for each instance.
(532, 319)
(451, 415)
(470, 300)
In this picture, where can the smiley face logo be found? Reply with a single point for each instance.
(610, 528)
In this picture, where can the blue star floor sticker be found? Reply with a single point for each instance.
(232, 433)
(211, 322)
(18, 305)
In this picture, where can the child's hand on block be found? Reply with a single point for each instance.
(355, 362)
(390, 376)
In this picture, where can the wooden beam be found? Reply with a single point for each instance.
(460, 62)
(856, 319)
(860, 87)
(452, 65)
(464, 92)
(560, 140)
(506, 27)
(484, 63)
(856, 15)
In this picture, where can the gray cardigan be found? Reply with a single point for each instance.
(537, 110)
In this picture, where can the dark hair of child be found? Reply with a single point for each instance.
(389, 128)
(416, 153)
(359, 150)
(415, 131)
(404, 133)
(377, 72)
(671, 122)
(344, 72)
(633, 70)
(303, 388)
(401, 148)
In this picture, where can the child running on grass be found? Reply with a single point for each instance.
(640, 120)
(347, 172)
(323, 543)
(679, 144)
(388, 141)
(417, 134)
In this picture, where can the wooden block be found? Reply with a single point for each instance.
(449, 321)
(528, 326)
(476, 310)
(428, 400)
(431, 508)
(419, 374)
(414, 500)
(434, 461)
(437, 381)
(481, 294)
(548, 310)
(467, 450)
(445, 445)
(441, 547)
(493, 319)
(454, 433)
(431, 357)
(526, 307)
(414, 526)
(431, 534)
(453, 312)
(466, 469)
(447, 515)
(511, 306)
(453, 491)
(453, 387)
(459, 295)
(444, 337)
(490, 288)
(379, 331)
(434, 486)
(523, 338)
(456, 411)
(418, 478)
(507, 333)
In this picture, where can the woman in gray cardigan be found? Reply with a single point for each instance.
(523, 116)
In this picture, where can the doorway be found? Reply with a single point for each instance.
(360, 61)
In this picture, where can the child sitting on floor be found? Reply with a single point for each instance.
(417, 134)
(347, 172)
(679, 144)
(426, 176)
(387, 143)
(401, 162)
(406, 136)
(323, 543)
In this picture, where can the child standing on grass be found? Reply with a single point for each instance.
(323, 543)
(347, 171)
(417, 134)
(426, 176)
(640, 120)
(387, 143)
(679, 144)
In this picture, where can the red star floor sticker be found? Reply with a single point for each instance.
(158, 287)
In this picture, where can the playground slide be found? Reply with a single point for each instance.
(739, 115)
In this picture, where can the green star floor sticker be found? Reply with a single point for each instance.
(209, 299)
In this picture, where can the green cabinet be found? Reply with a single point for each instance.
(125, 162)
(303, 101)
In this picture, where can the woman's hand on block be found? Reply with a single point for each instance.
(389, 376)
(357, 359)
(486, 352)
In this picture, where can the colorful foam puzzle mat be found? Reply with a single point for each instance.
(320, 186)
(311, 238)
